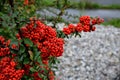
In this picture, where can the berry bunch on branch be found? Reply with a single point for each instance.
(86, 24)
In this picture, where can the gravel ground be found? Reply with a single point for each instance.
(94, 56)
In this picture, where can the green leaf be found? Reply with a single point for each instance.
(71, 35)
(22, 48)
(4, 24)
(13, 51)
(55, 67)
(26, 61)
(60, 34)
(39, 60)
(14, 41)
(63, 35)
(79, 35)
(36, 53)
(28, 41)
(33, 70)
(25, 77)
(22, 57)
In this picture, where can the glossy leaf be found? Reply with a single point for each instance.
(33, 70)
(28, 42)
(26, 61)
(22, 48)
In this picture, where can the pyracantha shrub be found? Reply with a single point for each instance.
(47, 42)
(37, 49)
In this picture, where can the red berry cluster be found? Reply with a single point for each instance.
(44, 37)
(52, 47)
(85, 20)
(37, 31)
(26, 2)
(36, 76)
(4, 49)
(51, 75)
(8, 71)
(8, 65)
(14, 46)
(26, 69)
(97, 20)
(86, 24)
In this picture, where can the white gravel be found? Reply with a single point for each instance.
(94, 56)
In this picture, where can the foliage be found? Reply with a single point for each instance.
(114, 22)
(28, 47)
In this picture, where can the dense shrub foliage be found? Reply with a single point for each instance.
(28, 47)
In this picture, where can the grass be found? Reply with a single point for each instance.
(81, 5)
(84, 5)
(114, 22)
(111, 7)
(46, 3)
(89, 5)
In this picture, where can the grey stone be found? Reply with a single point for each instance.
(94, 56)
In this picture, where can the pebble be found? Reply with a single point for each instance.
(94, 56)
